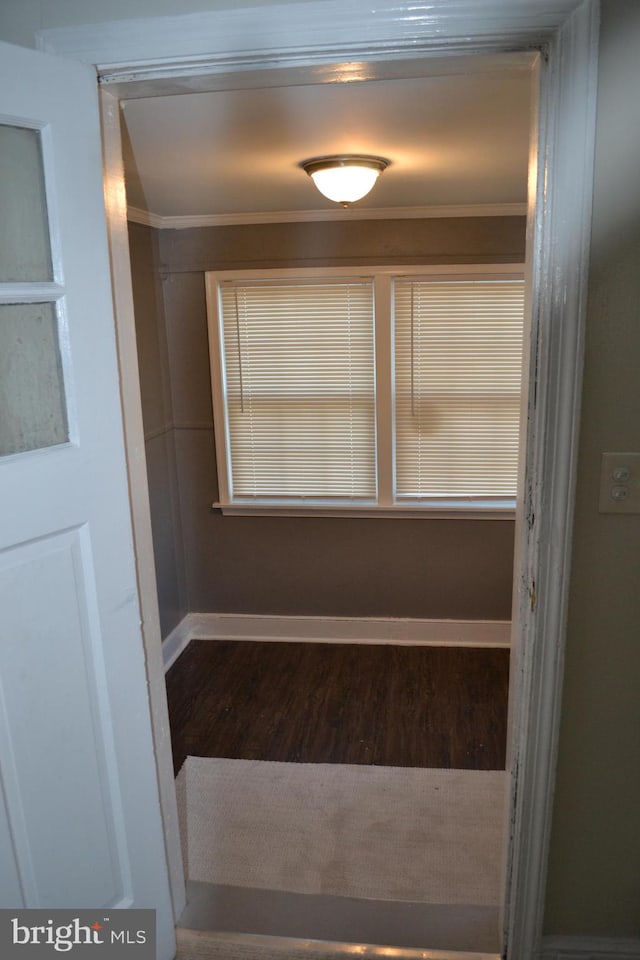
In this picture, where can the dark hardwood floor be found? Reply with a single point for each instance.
(340, 703)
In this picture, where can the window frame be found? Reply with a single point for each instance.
(385, 504)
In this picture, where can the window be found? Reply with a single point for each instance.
(383, 392)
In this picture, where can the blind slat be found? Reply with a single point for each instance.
(299, 388)
(458, 358)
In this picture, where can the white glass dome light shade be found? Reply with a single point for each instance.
(344, 179)
(345, 184)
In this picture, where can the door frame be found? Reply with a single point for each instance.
(217, 49)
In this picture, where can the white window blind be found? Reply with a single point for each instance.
(458, 357)
(298, 368)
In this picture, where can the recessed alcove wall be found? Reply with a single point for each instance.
(340, 567)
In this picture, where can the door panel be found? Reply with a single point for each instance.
(49, 610)
(80, 822)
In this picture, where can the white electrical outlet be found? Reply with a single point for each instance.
(620, 483)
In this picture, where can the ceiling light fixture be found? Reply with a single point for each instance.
(345, 178)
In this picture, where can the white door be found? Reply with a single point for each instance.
(80, 822)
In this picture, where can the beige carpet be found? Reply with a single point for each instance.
(391, 833)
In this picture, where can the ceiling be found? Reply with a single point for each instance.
(457, 138)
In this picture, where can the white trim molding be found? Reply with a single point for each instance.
(589, 948)
(365, 630)
(159, 222)
(283, 35)
(115, 204)
(561, 235)
(176, 642)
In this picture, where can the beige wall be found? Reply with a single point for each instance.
(157, 408)
(345, 243)
(331, 567)
(594, 878)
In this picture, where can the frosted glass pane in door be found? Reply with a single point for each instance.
(32, 403)
(25, 253)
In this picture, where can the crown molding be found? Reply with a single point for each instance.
(147, 219)
(136, 215)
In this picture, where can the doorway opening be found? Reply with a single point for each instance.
(211, 563)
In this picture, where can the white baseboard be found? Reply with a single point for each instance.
(589, 948)
(176, 641)
(238, 626)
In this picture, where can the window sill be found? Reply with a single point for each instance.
(443, 510)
